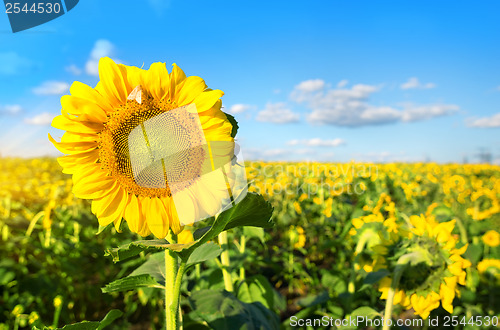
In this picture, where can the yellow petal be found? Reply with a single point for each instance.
(133, 215)
(175, 225)
(73, 147)
(85, 92)
(81, 107)
(69, 137)
(207, 99)
(158, 81)
(176, 77)
(157, 218)
(190, 89)
(110, 207)
(112, 81)
(66, 124)
(132, 76)
(91, 187)
(71, 163)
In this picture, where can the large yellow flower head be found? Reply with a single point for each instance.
(433, 266)
(115, 131)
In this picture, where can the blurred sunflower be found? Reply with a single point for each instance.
(297, 236)
(490, 268)
(99, 122)
(429, 263)
(491, 238)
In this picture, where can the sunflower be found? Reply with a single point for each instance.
(297, 236)
(144, 145)
(433, 265)
(490, 268)
(491, 238)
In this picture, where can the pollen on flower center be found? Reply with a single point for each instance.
(148, 143)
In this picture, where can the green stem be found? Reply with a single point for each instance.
(243, 242)
(290, 268)
(16, 323)
(174, 308)
(359, 248)
(463, 232)
(57, 314)
(403, 262)
(390, 296)
(224, 258)
(171, 273)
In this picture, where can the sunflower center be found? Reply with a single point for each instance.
(152, 147)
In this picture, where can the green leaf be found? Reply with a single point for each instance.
(333, 282)
(6, 276)
(93, 325)
(154, 266)
(257, 289)
(253, 210)
(314, 299)
(110, 318)
(374, 277)
(103, 228)
(474, 252)
(131, 283)
(442, 213)
(254, 232)
(366, 312)
(85, 325)
(207, 252)
(200, 232)
(222, 310)
(129, 250)
(234, 123)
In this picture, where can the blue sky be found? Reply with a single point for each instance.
(328, 81)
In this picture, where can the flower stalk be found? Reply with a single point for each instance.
(174, 270)
(224, 258)
(243, 242)
(398, 272)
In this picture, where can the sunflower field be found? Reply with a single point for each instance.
(418, 244)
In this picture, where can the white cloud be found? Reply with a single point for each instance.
(424, 112)
(102, 48)
(13, 109)
(239, 108)
(317, 142)
(306, 88)
(73, 69)
(350, 107)
(312, 85)
(11, 63)
(51, 88)
(342, 83)
(414, 83)
(42, 119)
(277, 113)
(485, 122)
